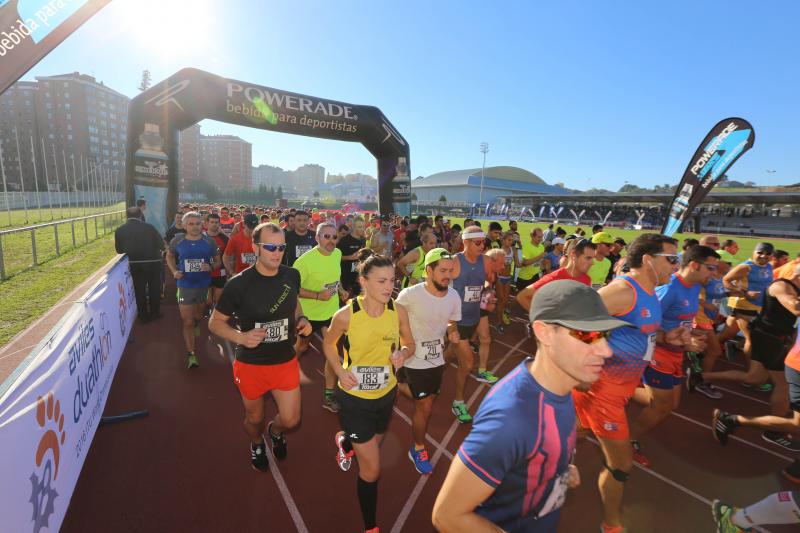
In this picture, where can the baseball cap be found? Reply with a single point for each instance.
(765, 247)
(559, 240)
(602, 237)
(251, 220)
(573, 305)
(436, 254)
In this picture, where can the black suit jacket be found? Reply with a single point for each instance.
(139, 240)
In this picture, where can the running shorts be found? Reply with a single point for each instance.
(316, 326)
(769, 350)
(422, 382)
(254, 381)
(604, 414)
(666, 361)
(219, 282)
(466, 332)
(793, 379)
(747, 314)
(192, 296)
(659, 380)
(362, 419)
(505, 280)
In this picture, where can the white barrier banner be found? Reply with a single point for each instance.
(50, 411)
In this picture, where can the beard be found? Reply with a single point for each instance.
(439, 287)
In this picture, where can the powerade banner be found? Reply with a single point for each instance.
(156, 117)
(723, 145)
(29, 29)
(51, 408)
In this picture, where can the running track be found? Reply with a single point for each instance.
(186, 466)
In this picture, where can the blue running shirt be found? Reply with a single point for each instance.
(189, 255)
(679, 302)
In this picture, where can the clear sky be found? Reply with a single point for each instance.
(591, 94)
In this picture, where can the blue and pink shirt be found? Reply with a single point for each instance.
(521, 444)
(679, 301)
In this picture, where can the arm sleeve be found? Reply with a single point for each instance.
(493, 447)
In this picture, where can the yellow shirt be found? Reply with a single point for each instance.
(317, 273)
(598, 272)
(529, 251)
(368, 348)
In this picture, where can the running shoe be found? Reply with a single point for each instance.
(506, 318)
(501, 329)
(763, 387)
(278, 443)
(343, 459)
(707, 389)
(782, 440)
(484, 376)
(722, 425)
(694, 378)
(330, 403)
(258, 456)
(638, 455)
(694, 359)
(723, 513)
(792, 472)
(191, 361)
(420, 460)
(461, 413)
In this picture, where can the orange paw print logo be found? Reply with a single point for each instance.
(50, 417)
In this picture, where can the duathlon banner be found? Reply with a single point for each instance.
(50, 408)
(723, 145)
(30, 29)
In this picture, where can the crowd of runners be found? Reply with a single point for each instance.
(394, 299)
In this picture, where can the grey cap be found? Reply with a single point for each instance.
(573, 305)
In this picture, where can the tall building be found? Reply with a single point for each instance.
(189, 169)
(73, 123)
(308, 178)
(226, 161)
(270, 176)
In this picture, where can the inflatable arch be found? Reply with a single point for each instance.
(156, 117)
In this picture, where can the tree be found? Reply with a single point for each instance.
(146, 80)
(279, 193)
(443, 199)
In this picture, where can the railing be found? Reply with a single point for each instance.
(28, 247)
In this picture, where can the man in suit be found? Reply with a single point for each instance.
(143, 245)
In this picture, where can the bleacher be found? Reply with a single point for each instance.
(770, 226)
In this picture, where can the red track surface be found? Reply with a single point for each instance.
(186, 466)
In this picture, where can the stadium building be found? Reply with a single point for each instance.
(465, 185)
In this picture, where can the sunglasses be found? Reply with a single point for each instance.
(672, 259)
(588, 337)
(328, 235)
(272, 247)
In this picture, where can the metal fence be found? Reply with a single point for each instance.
(30, 246)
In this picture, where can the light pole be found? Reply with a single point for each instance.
(484, 149)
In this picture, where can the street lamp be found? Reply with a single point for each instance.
(484, 149)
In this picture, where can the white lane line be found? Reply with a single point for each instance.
(734, 437)
(672, 483)
(729, 391)
(412, 499)
(436, 444)
(287, 496)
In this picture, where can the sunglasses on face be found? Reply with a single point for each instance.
(672, 259)
(588, 337)
(328, 235)
(272, 247)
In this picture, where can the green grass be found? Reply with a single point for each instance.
(44, 215)
(746, 244)
(29, 295)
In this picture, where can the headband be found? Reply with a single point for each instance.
(473, 235)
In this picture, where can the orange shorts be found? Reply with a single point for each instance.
(667, 362)
(604, 414)
(254, 381)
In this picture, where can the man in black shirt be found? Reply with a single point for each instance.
(143, 245)
(177, 227)
(265, 302)
(350, 245)
(299, 240)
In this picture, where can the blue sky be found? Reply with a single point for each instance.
(591, 94)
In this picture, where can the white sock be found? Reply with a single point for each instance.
(458, 402)
(777, 508)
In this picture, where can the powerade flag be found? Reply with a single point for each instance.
(723, 145)
(30, 29)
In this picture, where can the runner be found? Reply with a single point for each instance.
(679, 300)
(601, 266)
(493, 239)
(378, 340)
(729, 250)
(777, 508)
(320, 270)
(532, 254)
(299, 240)
(176, 228)
(226, 222)
(511, 263)
(219, 275)
(239, 251)
(514, 468)
(771, 332)
(381, 241)
(434, 310)
(191, 257)
(350, 245)
(264, 301)
(411, 267)
(651, 259)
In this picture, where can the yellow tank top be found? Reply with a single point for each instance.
(368, 345)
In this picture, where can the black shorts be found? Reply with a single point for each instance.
(466, 332)
(362, 419)
(484, 313)
(522, 283)
(769, 350)
(422, 382)
(793, 379)
(316, 326)
(219, 282)
(746, 314)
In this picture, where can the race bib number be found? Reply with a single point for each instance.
(371, 377)
(193, 265)
(300, 249)
(248, 258)
(687, 325)
(472, 293)
(277, 330)
(651, 346)
(221, 271)
(557, 496)
(432, 350)
(354, 267)
(331, 287)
